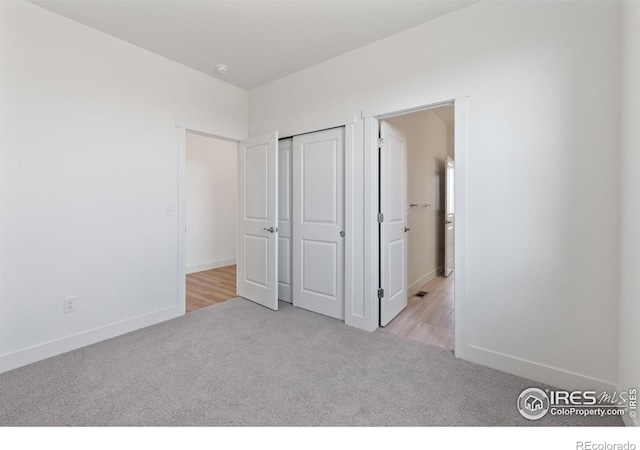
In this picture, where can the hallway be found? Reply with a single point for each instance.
(429, 319)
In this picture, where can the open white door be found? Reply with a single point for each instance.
(318, 222)
(393, 204)
(449, 221)
(257, 258)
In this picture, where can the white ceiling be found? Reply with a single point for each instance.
(260, 41)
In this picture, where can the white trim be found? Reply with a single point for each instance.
(414, 288)
(460, 283)
(348, 119)
(371, 319)
(206, 130)
(542, 373)
(210, 265)
(349, 294)
(56, 347)
(182, 220)
(409, 105)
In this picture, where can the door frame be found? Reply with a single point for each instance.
(182, 130)
(371, 121)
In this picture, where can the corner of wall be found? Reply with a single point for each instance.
(66, 344)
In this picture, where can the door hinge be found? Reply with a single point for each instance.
(380, 217)
(380, 293)
(380, 142)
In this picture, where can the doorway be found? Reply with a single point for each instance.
(210, 223)
(423, 238)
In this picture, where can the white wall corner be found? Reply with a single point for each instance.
(541, 373)
(56, 347)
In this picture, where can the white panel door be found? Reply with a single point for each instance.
(318, 221)
(284, 219)
(449, 221)
(257, 259)
(393, 204)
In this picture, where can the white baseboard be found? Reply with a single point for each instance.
(210, 265)
(56, 347)
(541, 373)
(414, 288)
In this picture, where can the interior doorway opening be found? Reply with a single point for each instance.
(210, 222)
(418, 225)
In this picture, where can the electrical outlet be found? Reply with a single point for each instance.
(69, 304)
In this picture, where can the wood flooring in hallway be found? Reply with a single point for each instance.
(428, 319)
(210, 287)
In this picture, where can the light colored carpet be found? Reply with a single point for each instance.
(237, 363)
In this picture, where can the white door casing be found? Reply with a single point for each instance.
(318, 221)
(393, 207)
(284, 219)
(449, 221)
(257, 257)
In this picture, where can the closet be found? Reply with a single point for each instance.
(291, 246)
(311, 221)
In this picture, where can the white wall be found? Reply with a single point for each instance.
(543, 164)
(426, 158)
(211, 187)
(630, 202)
(89, 156)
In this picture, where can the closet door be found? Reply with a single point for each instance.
(284, 219)
(257, 257)
(318, 221)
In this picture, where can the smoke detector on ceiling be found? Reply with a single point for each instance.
(222, 69)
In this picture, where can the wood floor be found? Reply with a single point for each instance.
(428, 319)
(210, 287)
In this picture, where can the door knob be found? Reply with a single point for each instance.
(270, 229)
(406, 229)
(342, 234)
